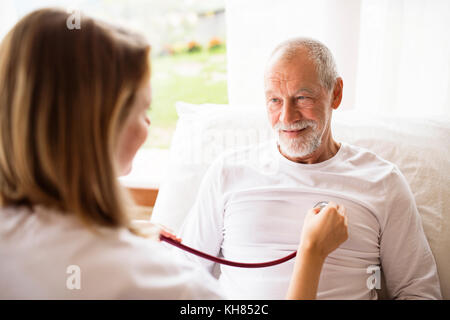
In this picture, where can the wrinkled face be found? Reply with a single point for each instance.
(298, 106)
(135, 129)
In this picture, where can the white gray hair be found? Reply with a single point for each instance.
(318, 52)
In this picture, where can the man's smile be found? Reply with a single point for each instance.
(294, 133)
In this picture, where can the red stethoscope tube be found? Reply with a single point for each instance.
(178, 244)
(224, 261)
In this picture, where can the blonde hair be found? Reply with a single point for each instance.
(64, 97)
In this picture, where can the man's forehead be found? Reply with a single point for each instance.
(295, 90)
(276, 78)
(292, 77)
(293, 84)
(281, 76)
(289, 72)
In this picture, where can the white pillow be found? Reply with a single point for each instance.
(418, 146)
(202, 133)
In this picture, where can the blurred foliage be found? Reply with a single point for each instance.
(195, 77)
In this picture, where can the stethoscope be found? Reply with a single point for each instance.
(178, 244)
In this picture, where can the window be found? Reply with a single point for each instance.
(188, 49)
(189, 65)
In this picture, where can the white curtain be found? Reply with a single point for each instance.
(393, 55)
(404, 57)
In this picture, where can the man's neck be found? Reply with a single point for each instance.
(327, 150)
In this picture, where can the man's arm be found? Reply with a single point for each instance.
(203, 227)
(406, 258)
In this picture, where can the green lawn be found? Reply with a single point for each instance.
(191, 77)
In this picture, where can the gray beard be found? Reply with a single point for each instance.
(302, 146)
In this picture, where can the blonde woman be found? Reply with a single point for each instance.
(73, 113)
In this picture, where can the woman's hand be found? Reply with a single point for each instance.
(147, 229)
(168, 233)
(323, 231)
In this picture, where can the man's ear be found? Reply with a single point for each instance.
(337, 93)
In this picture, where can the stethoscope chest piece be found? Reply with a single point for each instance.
(321, 204)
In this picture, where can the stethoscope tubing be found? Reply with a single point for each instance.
(233, 263)
(224, 261)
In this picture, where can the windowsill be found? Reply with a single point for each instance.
(148, 171)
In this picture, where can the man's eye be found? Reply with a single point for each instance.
(274, 100)
(301, 98)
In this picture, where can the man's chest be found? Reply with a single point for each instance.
(268, 222)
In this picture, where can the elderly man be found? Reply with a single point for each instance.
(249, 213)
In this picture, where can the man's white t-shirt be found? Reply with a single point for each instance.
(252, 203)
(47, 255)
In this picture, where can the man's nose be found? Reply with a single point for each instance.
(289, 113)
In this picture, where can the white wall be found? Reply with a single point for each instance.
(8, 17)
(255, 27)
